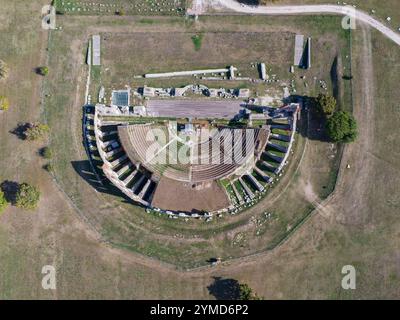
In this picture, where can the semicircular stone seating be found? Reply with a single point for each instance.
(220, 160)
(145, 149)
(135, 157)
(225, 155)
(135, 183)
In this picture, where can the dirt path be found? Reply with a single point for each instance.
(354, 181)
(312, 9)
(198, 7)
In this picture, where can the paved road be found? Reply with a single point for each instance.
(311, 9)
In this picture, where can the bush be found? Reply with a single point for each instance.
(43, 71)
(3, 70)
(46, 153)
(197, 41)
(4, 104)
(246, 293)
(341, 127)
(48, 167)
(3, 201)
(27, 197)
(35, 131)
(326, 104)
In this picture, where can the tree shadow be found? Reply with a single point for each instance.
(211, 260)
(38, 71)
(312, 123)
(224, 289)
(20, 130)
(10, 189)
(42, 152)
(250, 2)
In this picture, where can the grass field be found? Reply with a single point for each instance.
(255, 39)
(358, 225)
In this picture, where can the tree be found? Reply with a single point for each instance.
(3, 70)
(27, 197)
(4, 103)
(326, 104)
(341, 127)
(36, 131)
(246, 293)
(43, 71)
(3, 201)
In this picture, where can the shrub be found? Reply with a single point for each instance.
(27, 197)
(246, 293)
(3, 70)
(44, 71)
(3, 201)
(341, 127)
(48, 167)
(36, 131)
(4, 104)
(197, 41)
